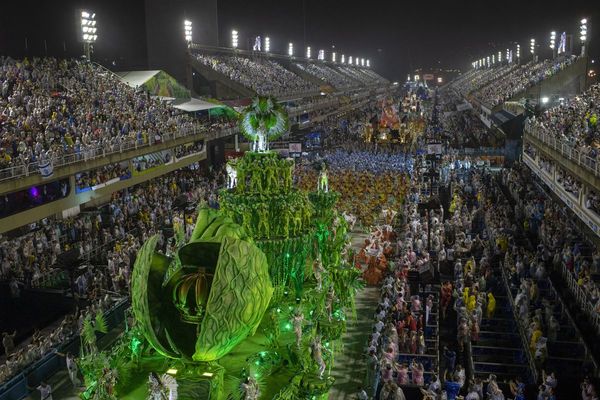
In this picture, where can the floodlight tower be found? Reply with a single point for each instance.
(553, 43)
(267, 44)
(290, 49)
(187, 29)
(234, 39)
(333, 57)
(368, 63)
(343, 60)
(88, 32)
(321, 55)
(584, 34)
(308, 52)
(532, 48)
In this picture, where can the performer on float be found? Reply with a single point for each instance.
(323, 182)
(297, 321)
(318, 271)
(250, 389)
(231, 175)
(162, 387)
(317, 355)
(329, 303)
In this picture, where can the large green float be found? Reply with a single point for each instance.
(206, 300)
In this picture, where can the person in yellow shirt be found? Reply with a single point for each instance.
(491, 305)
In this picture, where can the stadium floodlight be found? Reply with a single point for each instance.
(552, 40)
(362, 62)
(583, 31)
(532, 46)
(89, 31)
(499, 56)
(518, 51)
(507, 55)
(493, 59)
(187, 28)
(290, 49)
(356, 61)
(440, 79)
(368, 63)
(234, 39)
(408, 79)
(333, 56)
(321, 55)
(343, 60)
(350, 60)
(488, 61)
(417, 77)
(308, 52)
(267, 44)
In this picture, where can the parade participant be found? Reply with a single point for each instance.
(298, 319)
(250, 389)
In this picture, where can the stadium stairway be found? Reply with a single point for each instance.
(500, 349)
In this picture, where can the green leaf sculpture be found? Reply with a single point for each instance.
(262, 121)
(215, 299)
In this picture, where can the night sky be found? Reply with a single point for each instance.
(398, 36)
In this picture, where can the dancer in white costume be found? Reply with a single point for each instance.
(162, 387)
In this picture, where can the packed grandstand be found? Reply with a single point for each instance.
(447, 234)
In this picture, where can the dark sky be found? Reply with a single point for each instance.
(409, 34)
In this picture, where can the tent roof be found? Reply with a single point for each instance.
(137, 78)
(193, 104)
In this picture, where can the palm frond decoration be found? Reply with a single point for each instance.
(101, 323)
(88, 334)
(262, 121)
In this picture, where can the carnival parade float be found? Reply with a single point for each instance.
(252, 305)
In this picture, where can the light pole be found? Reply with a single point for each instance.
(290, 49)
(553, 43)
(583, 34)
(234, 39)
(267, 44)
(88, 32)
(187, 28)
(532, 48)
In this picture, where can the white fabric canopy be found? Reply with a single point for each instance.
(193, 105)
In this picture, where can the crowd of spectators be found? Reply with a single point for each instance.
(264, 76)
(113, 234)
(50, 108)
(568, 182)
(328, 75)
(88, 179)
(573, 122)
(519, 79)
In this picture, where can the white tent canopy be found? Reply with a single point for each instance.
(193, 105)
(136, 78)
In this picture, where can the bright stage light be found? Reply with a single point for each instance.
(187, 28)
(356, 61)
(499, 56)
(368, 63)
(584, 21)
(362, 62)
(343, 60)
(290, 49)
(417, 77)
(267, 44)
(439, 79)
(207, 374)
(333, 56)
(545, 100)
(234, 39)
(532, 46)
(172, 371)
(350, 60)
(321, 55)
(308, 52)
(88, 27)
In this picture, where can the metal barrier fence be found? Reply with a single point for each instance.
(100, 151)
(565, 149)
(582, 298)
